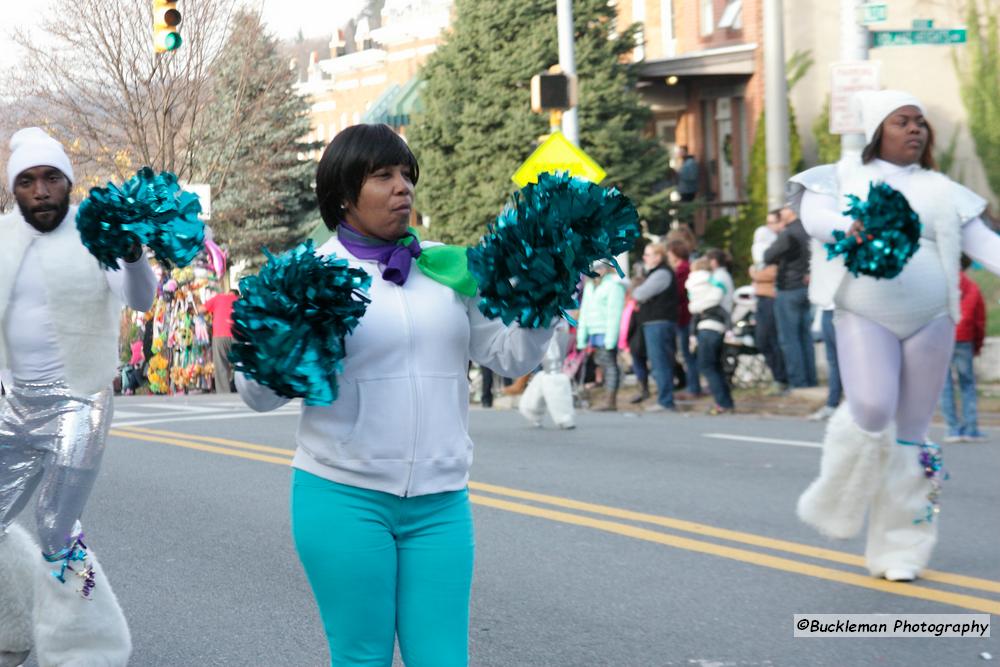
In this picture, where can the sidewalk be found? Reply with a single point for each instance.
(796, 403)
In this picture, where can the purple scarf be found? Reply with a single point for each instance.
(397, 256)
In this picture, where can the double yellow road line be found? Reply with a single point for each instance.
(812, 561)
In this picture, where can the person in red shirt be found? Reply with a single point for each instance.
(969, 335)
(221, 308)
(678, 256)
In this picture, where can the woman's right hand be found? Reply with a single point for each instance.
(857, 230)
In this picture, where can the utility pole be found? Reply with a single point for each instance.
(775, 103)
(853, 47)
(567, 62)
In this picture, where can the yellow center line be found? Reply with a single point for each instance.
(987, 585)
(203, 448)
(979, 604)
(204, 438)
(785, 564)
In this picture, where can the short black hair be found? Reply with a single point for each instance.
(353, 155)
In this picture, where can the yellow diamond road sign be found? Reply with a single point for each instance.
(557, 153)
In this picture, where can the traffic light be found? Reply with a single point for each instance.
(166, 18)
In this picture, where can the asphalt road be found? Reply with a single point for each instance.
(650, 541)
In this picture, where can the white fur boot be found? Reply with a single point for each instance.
(558, 393)
(76, 631)
(850, 470)
(18, 558)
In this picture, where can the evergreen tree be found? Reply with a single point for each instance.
(477, 127)
(980, 83)
(261, 187)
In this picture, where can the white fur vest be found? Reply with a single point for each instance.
(82, 306)
(939, 201)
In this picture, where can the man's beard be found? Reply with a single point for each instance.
(61, 209)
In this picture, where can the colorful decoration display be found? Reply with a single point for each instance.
(291, 320)
(890, 235)
(180, 351)
(529, 262)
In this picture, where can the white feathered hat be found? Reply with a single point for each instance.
(876, 105)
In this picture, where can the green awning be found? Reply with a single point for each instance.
(396, 104)
(379, 110)
(408, 100)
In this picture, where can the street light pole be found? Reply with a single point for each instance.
(775, 103)
(567, 62)
(853, 47)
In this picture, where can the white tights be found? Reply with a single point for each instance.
(886, 378)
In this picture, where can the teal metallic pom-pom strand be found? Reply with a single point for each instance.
(529, 262)
(291, 320)
(149, 209)
(890, 237)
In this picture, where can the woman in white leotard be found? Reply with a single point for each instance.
(894, 337)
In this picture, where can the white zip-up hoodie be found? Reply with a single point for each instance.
(400, 422)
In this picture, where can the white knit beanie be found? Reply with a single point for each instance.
(32, 147)
(876, 105)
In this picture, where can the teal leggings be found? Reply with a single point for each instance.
(381, 566)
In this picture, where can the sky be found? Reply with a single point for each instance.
(314, 17)
(285, 18)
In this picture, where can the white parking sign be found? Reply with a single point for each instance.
(846, 79)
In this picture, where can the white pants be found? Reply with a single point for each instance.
(551, 391)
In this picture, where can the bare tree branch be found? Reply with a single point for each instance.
(99, 87)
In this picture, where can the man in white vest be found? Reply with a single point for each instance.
(59, 323)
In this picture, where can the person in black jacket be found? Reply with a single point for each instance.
(657, 297)
(790, 251)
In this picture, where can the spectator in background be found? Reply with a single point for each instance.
(657, 297)
(764, 277)
(790, 251)
(710, 301)
(970, 332)
(683, 233)
(835, 390)
(687, 175)
(221, 308)
(678, 254)
(600, 317)
(634, 340)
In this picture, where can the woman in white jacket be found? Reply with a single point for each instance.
(380, 506)
(894, 338)
(710, 300)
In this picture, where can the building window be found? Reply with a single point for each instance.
(667, 28)
(732, 16)
(707, 17)
(639, 16)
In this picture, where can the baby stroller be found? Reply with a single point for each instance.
(742, 362)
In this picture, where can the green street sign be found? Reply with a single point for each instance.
(874, 12)
(917, 37)
(922, 24)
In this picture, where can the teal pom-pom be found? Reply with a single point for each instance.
(291, 319)
(890, 237)
(529, 262)
(149, 209)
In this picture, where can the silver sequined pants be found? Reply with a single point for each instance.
(51, 440)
